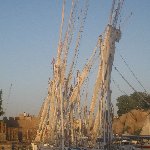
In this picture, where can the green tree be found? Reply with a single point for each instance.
(1, 100)
(137, 100)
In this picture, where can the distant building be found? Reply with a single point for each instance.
(21, 129)
(2, 131)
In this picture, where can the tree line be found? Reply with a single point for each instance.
(136, 100)
(1, 100)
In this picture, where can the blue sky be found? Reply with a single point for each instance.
(29, 31)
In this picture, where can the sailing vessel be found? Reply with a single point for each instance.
(63, 121)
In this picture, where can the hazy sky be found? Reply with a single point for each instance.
(29, 32)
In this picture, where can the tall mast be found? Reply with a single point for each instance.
(112, 35)
(102, 90)
(62, 117)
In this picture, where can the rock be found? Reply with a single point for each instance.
(146, 127)
(132, 122)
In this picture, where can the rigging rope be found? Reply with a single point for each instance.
(81, 28)
(126, 20)
(59, 49)
(117, 85)
(133, 73)
(81, 18)
(130, 85)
